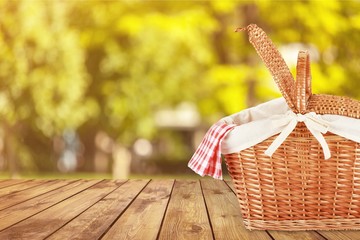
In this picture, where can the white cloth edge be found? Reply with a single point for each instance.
(258, 123)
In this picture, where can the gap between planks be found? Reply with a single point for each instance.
(216, 199)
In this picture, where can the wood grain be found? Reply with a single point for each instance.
(131, 209)
(10, 182)
(231, 185)
(95, 221)
(341, 235)
(224, 212)
(21, 196)
(186, 216)
(45, 223)
(20, 186)
(295, 235)
(19, 212)
(143, 218)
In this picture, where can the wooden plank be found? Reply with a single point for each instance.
(231, 185)
(95, 221)
(224, 212)
(142, 220)
(186, 216)
(10, 182)
(19, 212)
(21, 186)
(45, 223)
(295, 235)
(18, 197)
(341, 235)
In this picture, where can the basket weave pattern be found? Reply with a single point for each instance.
(296, 189)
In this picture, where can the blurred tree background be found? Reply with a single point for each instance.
(124, 87)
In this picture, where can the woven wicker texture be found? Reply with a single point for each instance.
(322, 104)
(303, 82)
(273, 61)
(296, 189)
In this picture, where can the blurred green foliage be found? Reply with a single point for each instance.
(110, 65)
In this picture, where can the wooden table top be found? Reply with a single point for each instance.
(130, 209)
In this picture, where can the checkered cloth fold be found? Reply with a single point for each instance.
(253, 125)
(207, 158)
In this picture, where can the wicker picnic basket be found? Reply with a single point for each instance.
(296, 189)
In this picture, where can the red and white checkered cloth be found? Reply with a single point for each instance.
(207, 158)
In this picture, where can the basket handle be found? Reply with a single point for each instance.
(303, 82)
(274, 62)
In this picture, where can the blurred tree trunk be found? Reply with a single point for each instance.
(10, 150)
(106, 149)
(121, 162)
